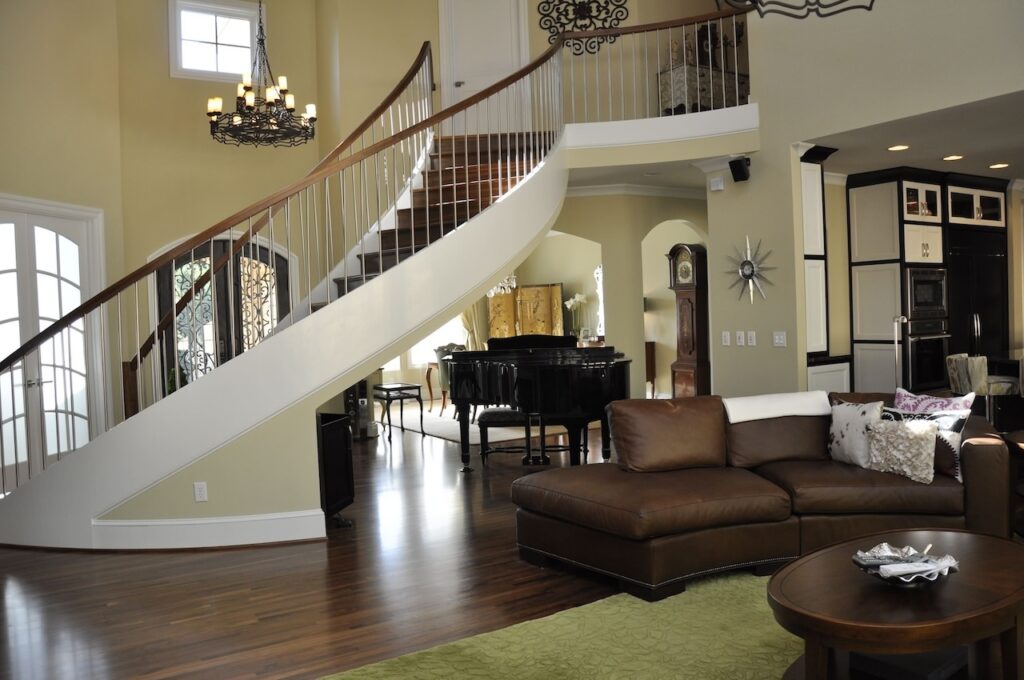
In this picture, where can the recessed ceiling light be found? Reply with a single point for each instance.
(999, 166)
(899, 147)
(954, 157)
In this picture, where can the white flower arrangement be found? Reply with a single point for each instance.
(573, 304)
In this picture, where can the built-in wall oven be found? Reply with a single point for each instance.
(926, 293)
(927, 345)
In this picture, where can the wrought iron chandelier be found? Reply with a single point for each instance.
(264, 113)
(799, 9)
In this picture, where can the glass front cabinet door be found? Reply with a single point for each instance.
(921, 202)
(976, 206)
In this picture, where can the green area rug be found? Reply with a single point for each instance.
(720, 628)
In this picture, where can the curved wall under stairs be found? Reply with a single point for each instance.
(254, 416)
(323, 354)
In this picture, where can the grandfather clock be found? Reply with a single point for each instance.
(688, 277)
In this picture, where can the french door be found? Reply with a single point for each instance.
(46, 402)
(228, 315)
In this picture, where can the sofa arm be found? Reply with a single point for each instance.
(985, 464)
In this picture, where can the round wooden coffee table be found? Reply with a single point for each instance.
(836, 608)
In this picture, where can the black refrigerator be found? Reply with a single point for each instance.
(978, 290)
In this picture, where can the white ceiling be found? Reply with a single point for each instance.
(983, 132)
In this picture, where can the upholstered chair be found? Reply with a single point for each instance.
(970, 374)
(443, 378)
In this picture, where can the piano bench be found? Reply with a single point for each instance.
(507, 417)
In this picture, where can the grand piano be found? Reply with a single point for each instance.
(565, 384)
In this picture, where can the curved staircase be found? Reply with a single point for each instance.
(457, 211)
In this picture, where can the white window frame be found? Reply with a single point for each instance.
(234, 8)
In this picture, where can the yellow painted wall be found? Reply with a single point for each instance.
(177, 180)
(619, 223)
(660, 319)
(569, 260)
(838, 262)
(61, 119)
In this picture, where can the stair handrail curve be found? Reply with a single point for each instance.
(523, 115)
(423, 59)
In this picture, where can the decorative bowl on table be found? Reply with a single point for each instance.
(905, 567)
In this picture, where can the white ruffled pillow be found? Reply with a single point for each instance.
(905, 448)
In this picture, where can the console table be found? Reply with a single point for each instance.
(390, 392)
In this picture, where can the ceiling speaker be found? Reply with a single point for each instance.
(740, 168)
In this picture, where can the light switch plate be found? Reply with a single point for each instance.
(779, 338)
(740, 338)
(751, 339)
(726, 338)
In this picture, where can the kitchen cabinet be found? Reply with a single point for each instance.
(921, 202)
(977, 207)
(874, 223)
(875, 290)
(922, 244)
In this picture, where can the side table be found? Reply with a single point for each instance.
(389, 392)
(1015, 444)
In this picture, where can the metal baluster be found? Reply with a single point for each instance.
(366, 211)
(14, 423)
(686, 78)
(272, 263)
(69, 399)
(711, 66)
(343, 263)
(3, 445)
(304, 247)
(138, 349)
(735, 60)
(232, 344)
(657, 55)
(292, 293)
(698, 48)
(314, 223)
(328, 240)
(671, 75)
(608, 64)
(120, 355)
(646, 76)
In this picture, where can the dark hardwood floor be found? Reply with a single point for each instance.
(431, 558)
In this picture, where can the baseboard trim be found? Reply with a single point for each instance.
(207, 532)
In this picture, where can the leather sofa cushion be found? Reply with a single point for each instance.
(756, 442)
(831, 487)
(641, 506)
(651, 435)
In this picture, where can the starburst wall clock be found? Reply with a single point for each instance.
(749, 269)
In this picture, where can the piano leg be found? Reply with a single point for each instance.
(575, 433)
(606, 439)
(462, 411)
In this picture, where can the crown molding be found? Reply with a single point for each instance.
(836, 178)
(691, 193)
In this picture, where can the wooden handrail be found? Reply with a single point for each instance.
(323, 170)
(168, 318)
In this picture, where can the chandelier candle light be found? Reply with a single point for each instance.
(264, 113)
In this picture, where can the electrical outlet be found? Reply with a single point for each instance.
(751, 339)
(726, 338)
(740, 338)
(779, 338)
(199, 490)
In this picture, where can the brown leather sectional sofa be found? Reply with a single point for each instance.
(694, 494)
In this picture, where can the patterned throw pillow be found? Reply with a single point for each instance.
(848, 433)
(924, 403)
(951, 425)
(905, 448)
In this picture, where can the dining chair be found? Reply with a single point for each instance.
(970, 374)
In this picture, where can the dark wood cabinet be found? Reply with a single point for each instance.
(691, 371)
(978, 285)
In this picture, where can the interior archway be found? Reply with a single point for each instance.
(659, 301)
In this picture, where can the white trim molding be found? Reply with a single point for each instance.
(241, 9)
(835, 178)
(690, 193)
(208, 532)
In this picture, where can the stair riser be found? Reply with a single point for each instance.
(483, 192)
(494, 142)
(407, 238)
(447, 161)
(450, 217)
(476, 173)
